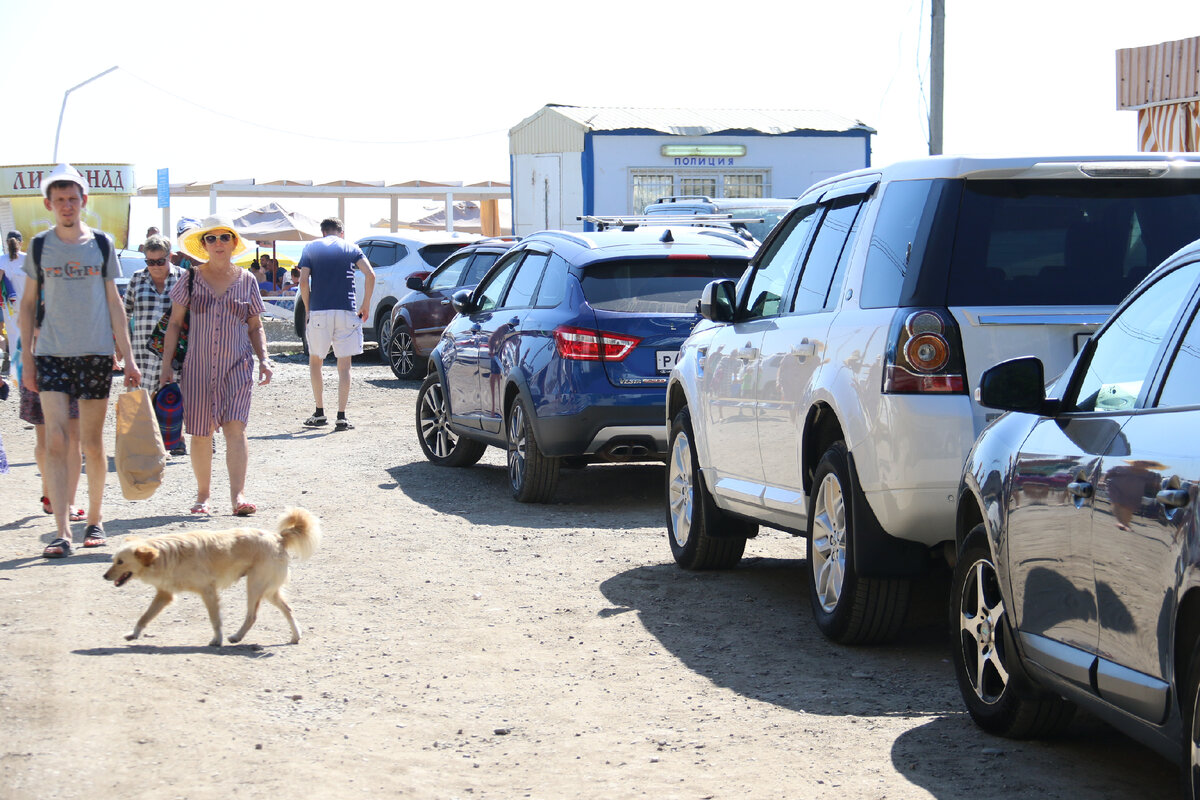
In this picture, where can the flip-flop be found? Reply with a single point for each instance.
(93, 536)
(245, 509)
(76, 515)
(62, 546)
(201, 508)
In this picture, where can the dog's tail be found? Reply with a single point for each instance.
(300, 532)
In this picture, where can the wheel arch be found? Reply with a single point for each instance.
(1187, 631)
(821, 429)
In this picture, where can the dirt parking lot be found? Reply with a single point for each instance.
(460, 645)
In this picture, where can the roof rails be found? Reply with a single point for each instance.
(633, 221)
(676, 198)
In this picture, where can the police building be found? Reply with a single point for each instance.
(569, 161)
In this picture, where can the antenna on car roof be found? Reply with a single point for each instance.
(667, 237)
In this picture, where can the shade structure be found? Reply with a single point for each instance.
(274, 223)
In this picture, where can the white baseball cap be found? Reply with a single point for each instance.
(63, 172)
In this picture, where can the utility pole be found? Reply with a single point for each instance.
(937, 53)
(67, 94)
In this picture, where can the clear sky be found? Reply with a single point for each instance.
(395, 90)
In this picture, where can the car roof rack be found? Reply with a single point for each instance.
(634, 221)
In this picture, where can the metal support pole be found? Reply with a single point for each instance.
(63, 110)
(937, 53)
(449, 212)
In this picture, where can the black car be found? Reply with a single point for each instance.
(1077, 581)
(420, 316)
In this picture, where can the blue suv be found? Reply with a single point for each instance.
(563, 351)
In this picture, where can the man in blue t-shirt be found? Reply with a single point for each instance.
(327, 291)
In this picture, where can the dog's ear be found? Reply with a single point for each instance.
(145, 554)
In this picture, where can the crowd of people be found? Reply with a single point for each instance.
(71, 327)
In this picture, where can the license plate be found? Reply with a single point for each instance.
(665, 359)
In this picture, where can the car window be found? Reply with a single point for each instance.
(447, 275)
(1066, 242)
(898, 240)
(830, 242)
(488, 293)
(654, 285)
(554, 283)
(769, 280)
(384, 254)
(434, 254)
(1123, 354)
(1181, 387)
(525, 282)
(480, 264)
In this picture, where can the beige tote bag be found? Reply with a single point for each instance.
(140, 458)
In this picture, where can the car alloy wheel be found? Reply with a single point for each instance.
(532, 476)
(439, 442)
(385, 335)
(402, 355)
(980, 617)
(829, 542)
(680, 491)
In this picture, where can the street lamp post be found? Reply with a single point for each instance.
(64, 107)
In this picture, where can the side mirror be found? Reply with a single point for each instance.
(461, 300)
(1015, 385)
(416, 281)
(718, 300)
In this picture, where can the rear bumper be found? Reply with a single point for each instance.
(618, 433)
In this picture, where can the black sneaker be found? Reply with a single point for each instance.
(343, 425)
(178, 451)
(316, 421)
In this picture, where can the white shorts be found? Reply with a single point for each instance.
(341, 330)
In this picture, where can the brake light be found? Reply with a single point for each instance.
(924, 354)
(584, 344)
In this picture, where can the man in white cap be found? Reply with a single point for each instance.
(77, 322)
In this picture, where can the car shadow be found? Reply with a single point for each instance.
(1090, 760)
(623, 494)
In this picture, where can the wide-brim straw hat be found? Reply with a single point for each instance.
(193, 241)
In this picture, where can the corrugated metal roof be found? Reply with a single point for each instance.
(704, 121)
(1158, 74)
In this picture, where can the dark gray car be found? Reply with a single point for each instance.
(1077, 580)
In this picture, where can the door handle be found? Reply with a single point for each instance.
(804, 349)
(1080, 488)
(1175, 498)
(445, 302)
(515, 321)
(746, 353)
(476, 328)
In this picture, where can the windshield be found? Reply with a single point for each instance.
(435, 254)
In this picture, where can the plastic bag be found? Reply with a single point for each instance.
(140, 458)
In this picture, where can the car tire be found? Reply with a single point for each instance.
(532, 476)
(848, 608)
(441, 445)
(1191, 727)
(700, 534)
(402, 355)
(998, 697)
(384, 330)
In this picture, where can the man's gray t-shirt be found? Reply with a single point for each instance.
(77, 322)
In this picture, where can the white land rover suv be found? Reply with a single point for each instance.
(827, 393)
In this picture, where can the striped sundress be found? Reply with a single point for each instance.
(218, 373)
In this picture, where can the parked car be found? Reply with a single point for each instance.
(420, 316)
(394, 257)
(131, 262)
(768, 209)
(1077, 580)
(562, 352)
(826, 394)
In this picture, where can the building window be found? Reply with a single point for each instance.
(648, 185)
(744, 185)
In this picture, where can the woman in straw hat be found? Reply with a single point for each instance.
(225, 333)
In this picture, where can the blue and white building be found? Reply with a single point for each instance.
(568, 161)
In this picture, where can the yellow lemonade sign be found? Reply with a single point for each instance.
(109, 188)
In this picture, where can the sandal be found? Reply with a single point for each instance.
(244, 509)
(93, 536)
(59, 548)
(201, 508)
(76, 515)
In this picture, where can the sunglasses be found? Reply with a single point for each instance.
(156, 262)
(209, 238)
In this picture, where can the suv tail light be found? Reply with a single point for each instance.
(584, 344)
(924, 354)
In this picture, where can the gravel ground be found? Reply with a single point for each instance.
(458, 644)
